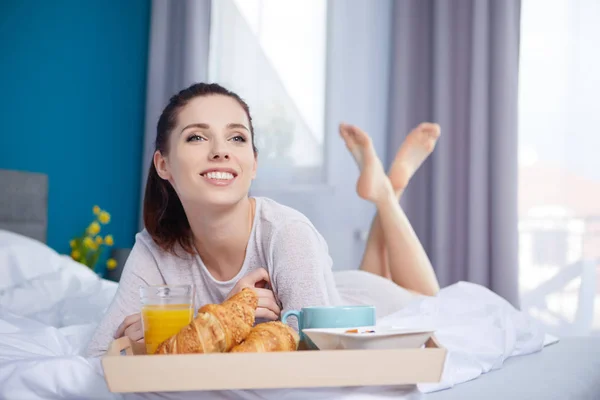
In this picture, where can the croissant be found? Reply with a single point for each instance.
(269, 336)
(217, 328)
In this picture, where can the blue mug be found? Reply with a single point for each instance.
(331, 317)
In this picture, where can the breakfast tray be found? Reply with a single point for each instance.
(128, 369)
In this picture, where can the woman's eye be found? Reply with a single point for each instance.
(239, 138)
(195, 138)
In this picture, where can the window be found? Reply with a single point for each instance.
(273, 54)
(559, 166)
(550, 248)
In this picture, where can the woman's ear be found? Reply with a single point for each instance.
(160, 163)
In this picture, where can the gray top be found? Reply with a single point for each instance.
(282, 240)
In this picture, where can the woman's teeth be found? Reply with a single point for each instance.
(219, 175)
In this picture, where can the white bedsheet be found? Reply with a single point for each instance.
(47, 319)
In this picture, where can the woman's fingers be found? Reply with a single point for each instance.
(127, 322)
(258, 275)
(269, 305)
(265, 313)
(134, 332)
(266, 299)
(257, 278)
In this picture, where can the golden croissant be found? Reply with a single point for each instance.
(269, 336)
(217, 328)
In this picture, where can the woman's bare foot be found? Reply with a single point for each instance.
(373, 184)
(417, 146)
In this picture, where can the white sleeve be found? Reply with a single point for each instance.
(140, 270)
(302, 267)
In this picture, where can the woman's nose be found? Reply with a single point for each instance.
(219, 153)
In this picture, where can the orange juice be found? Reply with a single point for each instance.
(163, 321)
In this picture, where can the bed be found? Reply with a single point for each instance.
(569, 370)
(23, 203)
(49, 306)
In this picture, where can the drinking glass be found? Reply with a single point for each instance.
(166, 309)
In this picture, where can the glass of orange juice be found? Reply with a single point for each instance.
(166, 309)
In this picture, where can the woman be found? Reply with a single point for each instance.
(203, 228)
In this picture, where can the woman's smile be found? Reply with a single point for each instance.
(219, 176)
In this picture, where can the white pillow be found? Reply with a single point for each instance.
(23, 259)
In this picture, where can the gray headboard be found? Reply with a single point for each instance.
(24, 203)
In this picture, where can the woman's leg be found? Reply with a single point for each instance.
(417, 146)
(409, 266)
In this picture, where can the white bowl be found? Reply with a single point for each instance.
(383, 337)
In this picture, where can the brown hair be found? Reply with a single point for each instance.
(164, 216)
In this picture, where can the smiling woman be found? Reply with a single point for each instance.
(214, 145)
(203, 228)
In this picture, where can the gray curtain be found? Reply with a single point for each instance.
(178, 57)
(456, 63)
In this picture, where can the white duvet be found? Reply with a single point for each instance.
(49, 306)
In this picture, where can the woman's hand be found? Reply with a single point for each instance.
(132, 328)
(258, 280)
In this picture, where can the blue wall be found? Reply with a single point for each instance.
(72, 99)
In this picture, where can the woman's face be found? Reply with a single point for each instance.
(210, 160)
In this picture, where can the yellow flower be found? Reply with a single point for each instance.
(88, 242)
(99, 240)
(104, 217)
(93, 229)
(109, 240)
(75, 255)
(96, 210)
(111, 263)
(72, 243)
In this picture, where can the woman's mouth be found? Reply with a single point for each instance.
(219, 178)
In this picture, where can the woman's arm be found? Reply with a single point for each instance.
(139, 270)
(302, 267)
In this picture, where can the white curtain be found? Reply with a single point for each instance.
(559, 166)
